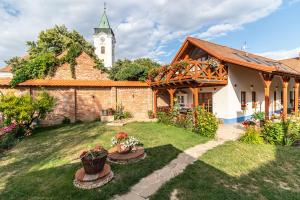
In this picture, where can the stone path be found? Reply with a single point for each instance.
(150, 184)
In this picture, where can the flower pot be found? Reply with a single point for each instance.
(93, 166)
(122, 150)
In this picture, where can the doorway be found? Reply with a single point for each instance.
(206, 101)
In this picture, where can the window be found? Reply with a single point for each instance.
(181, 99)
(253, 99)
(102, 50)
(243, 100)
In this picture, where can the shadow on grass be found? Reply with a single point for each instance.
(56, 182)
(277, 179)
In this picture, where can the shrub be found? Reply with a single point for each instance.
(206, 123)
(185, 121)
(24, 110)
(121, 114)
(273, 133)
(164, 117)
(252, 136)
(291, 132)
(66, 120)
(258, 116)
(8, 136)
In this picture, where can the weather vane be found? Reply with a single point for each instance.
(104, 6)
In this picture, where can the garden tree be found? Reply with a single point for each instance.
(24, 110)
(136, 70)
(43, 54)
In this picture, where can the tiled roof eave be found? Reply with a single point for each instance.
(77, 83)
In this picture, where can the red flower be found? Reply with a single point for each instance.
(121, 135)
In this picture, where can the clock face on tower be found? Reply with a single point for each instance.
(102, 39)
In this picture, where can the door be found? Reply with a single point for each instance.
(206, 101)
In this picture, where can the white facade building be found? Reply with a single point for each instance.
(241, 94)
(104, 42)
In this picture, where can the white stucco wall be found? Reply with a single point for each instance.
(227, 100)
(6, 75)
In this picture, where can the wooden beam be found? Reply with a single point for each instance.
(267, 80)
(171, 93)
(296, 97)
(195, 92)
(285, 84)
(155, 91)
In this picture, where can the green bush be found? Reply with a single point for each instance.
(7, 141)
(252, 136)
(273, 133)
(206, 123)
(291, 132)
(66, 120)
(165, 118)
(121, 114)
(24, 110)
(185, 121)
(258, 116)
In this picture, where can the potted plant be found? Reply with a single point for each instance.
(93, 160)
(150, 114)
(124, 143)
(259, 118)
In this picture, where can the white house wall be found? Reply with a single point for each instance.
(227, 100)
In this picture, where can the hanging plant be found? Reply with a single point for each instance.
(213, 63)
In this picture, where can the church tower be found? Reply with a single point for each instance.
(104, 41)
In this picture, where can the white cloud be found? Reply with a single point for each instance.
(282, 54)
(141, 27)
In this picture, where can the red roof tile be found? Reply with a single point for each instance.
(238, 57)
(77, 83)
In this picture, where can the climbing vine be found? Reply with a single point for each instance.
(44, 55)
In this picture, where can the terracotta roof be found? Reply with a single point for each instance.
(238, 57)
(78, 83)
(293, 63)
(6, 69)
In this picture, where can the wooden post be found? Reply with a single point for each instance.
(267, 79)
(171, 93)
(296, 97)
(155, 91)
(195, 91)
(285, 84)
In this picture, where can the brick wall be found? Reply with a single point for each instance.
(84, 70)
(90, 101)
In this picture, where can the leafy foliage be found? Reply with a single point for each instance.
(24, 110)
(258, 116)
(198, 120)
(43, 54)
(120, 113)
(252, 136)
(273, 133)
(136, 70)
(206, 123)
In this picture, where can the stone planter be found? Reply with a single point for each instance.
(123, 150)
(93, 166)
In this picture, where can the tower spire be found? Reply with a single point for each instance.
(104, 23)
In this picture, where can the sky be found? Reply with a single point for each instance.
(157, 28)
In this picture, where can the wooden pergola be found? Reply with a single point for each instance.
(189, 74)
(194, 74)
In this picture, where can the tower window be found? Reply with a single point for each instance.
(102, 50)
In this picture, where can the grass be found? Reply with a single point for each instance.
(239, 171)
(42, 166)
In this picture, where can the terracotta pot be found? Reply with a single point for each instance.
(122, 150)
(93, 166)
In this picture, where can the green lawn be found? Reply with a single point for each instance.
(239, 171)
(42, 166)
